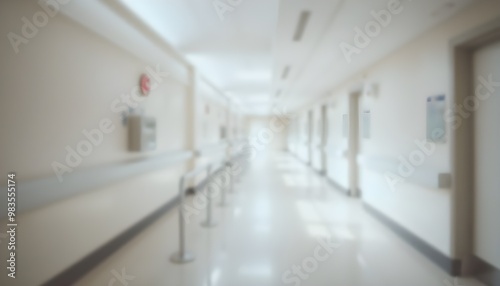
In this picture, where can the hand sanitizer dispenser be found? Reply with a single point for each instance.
(142, 133)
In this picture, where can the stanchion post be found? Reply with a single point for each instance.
(182, 256)
(225, 185)
(209, 222)
(236, 161)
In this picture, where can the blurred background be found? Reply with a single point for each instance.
(238, 142)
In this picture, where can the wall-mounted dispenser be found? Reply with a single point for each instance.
(141, 133)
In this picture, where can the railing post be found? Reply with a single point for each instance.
(209, 222)
(242, 166)
(183, 256)
(225, 185)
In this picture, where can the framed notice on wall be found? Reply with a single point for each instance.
(436, 125)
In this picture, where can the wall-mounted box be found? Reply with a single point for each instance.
(141, 133)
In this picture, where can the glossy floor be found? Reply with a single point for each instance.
(282, 226)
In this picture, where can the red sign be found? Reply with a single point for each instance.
(145, 84)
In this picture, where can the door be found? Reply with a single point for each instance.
(310, 139)
(353, 140)
(324, 139)
(487, 154)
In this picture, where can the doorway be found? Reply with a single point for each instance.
(324, 140)
(353, 142)
(476, 156)
(486, 64)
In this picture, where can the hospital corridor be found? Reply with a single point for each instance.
(250, 143)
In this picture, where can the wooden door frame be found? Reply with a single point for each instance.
(354, 140)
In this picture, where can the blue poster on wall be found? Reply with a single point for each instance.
(436, 125)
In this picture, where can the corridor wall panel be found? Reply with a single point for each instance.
(56, 101)
(487, 162)
(316, 139)
(404, 80)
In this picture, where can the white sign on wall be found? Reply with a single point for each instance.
(436, 125)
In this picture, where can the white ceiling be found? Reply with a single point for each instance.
(318, 63)
(233, 51)
(245, 52)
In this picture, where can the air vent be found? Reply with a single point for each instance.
(286, 70)
(301, 25)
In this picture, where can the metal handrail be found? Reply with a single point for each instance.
(234, 159)
(184, 256)
(214, 168)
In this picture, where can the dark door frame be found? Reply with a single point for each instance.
(462, 153)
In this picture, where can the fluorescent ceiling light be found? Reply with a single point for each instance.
(301, 25)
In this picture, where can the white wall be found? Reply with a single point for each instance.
(405, 79)
(213, 111)
(63, 82)
(49, 100)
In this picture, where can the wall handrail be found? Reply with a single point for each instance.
(38, 193)
(183, 255)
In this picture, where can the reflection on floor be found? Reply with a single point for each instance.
(283, 226)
